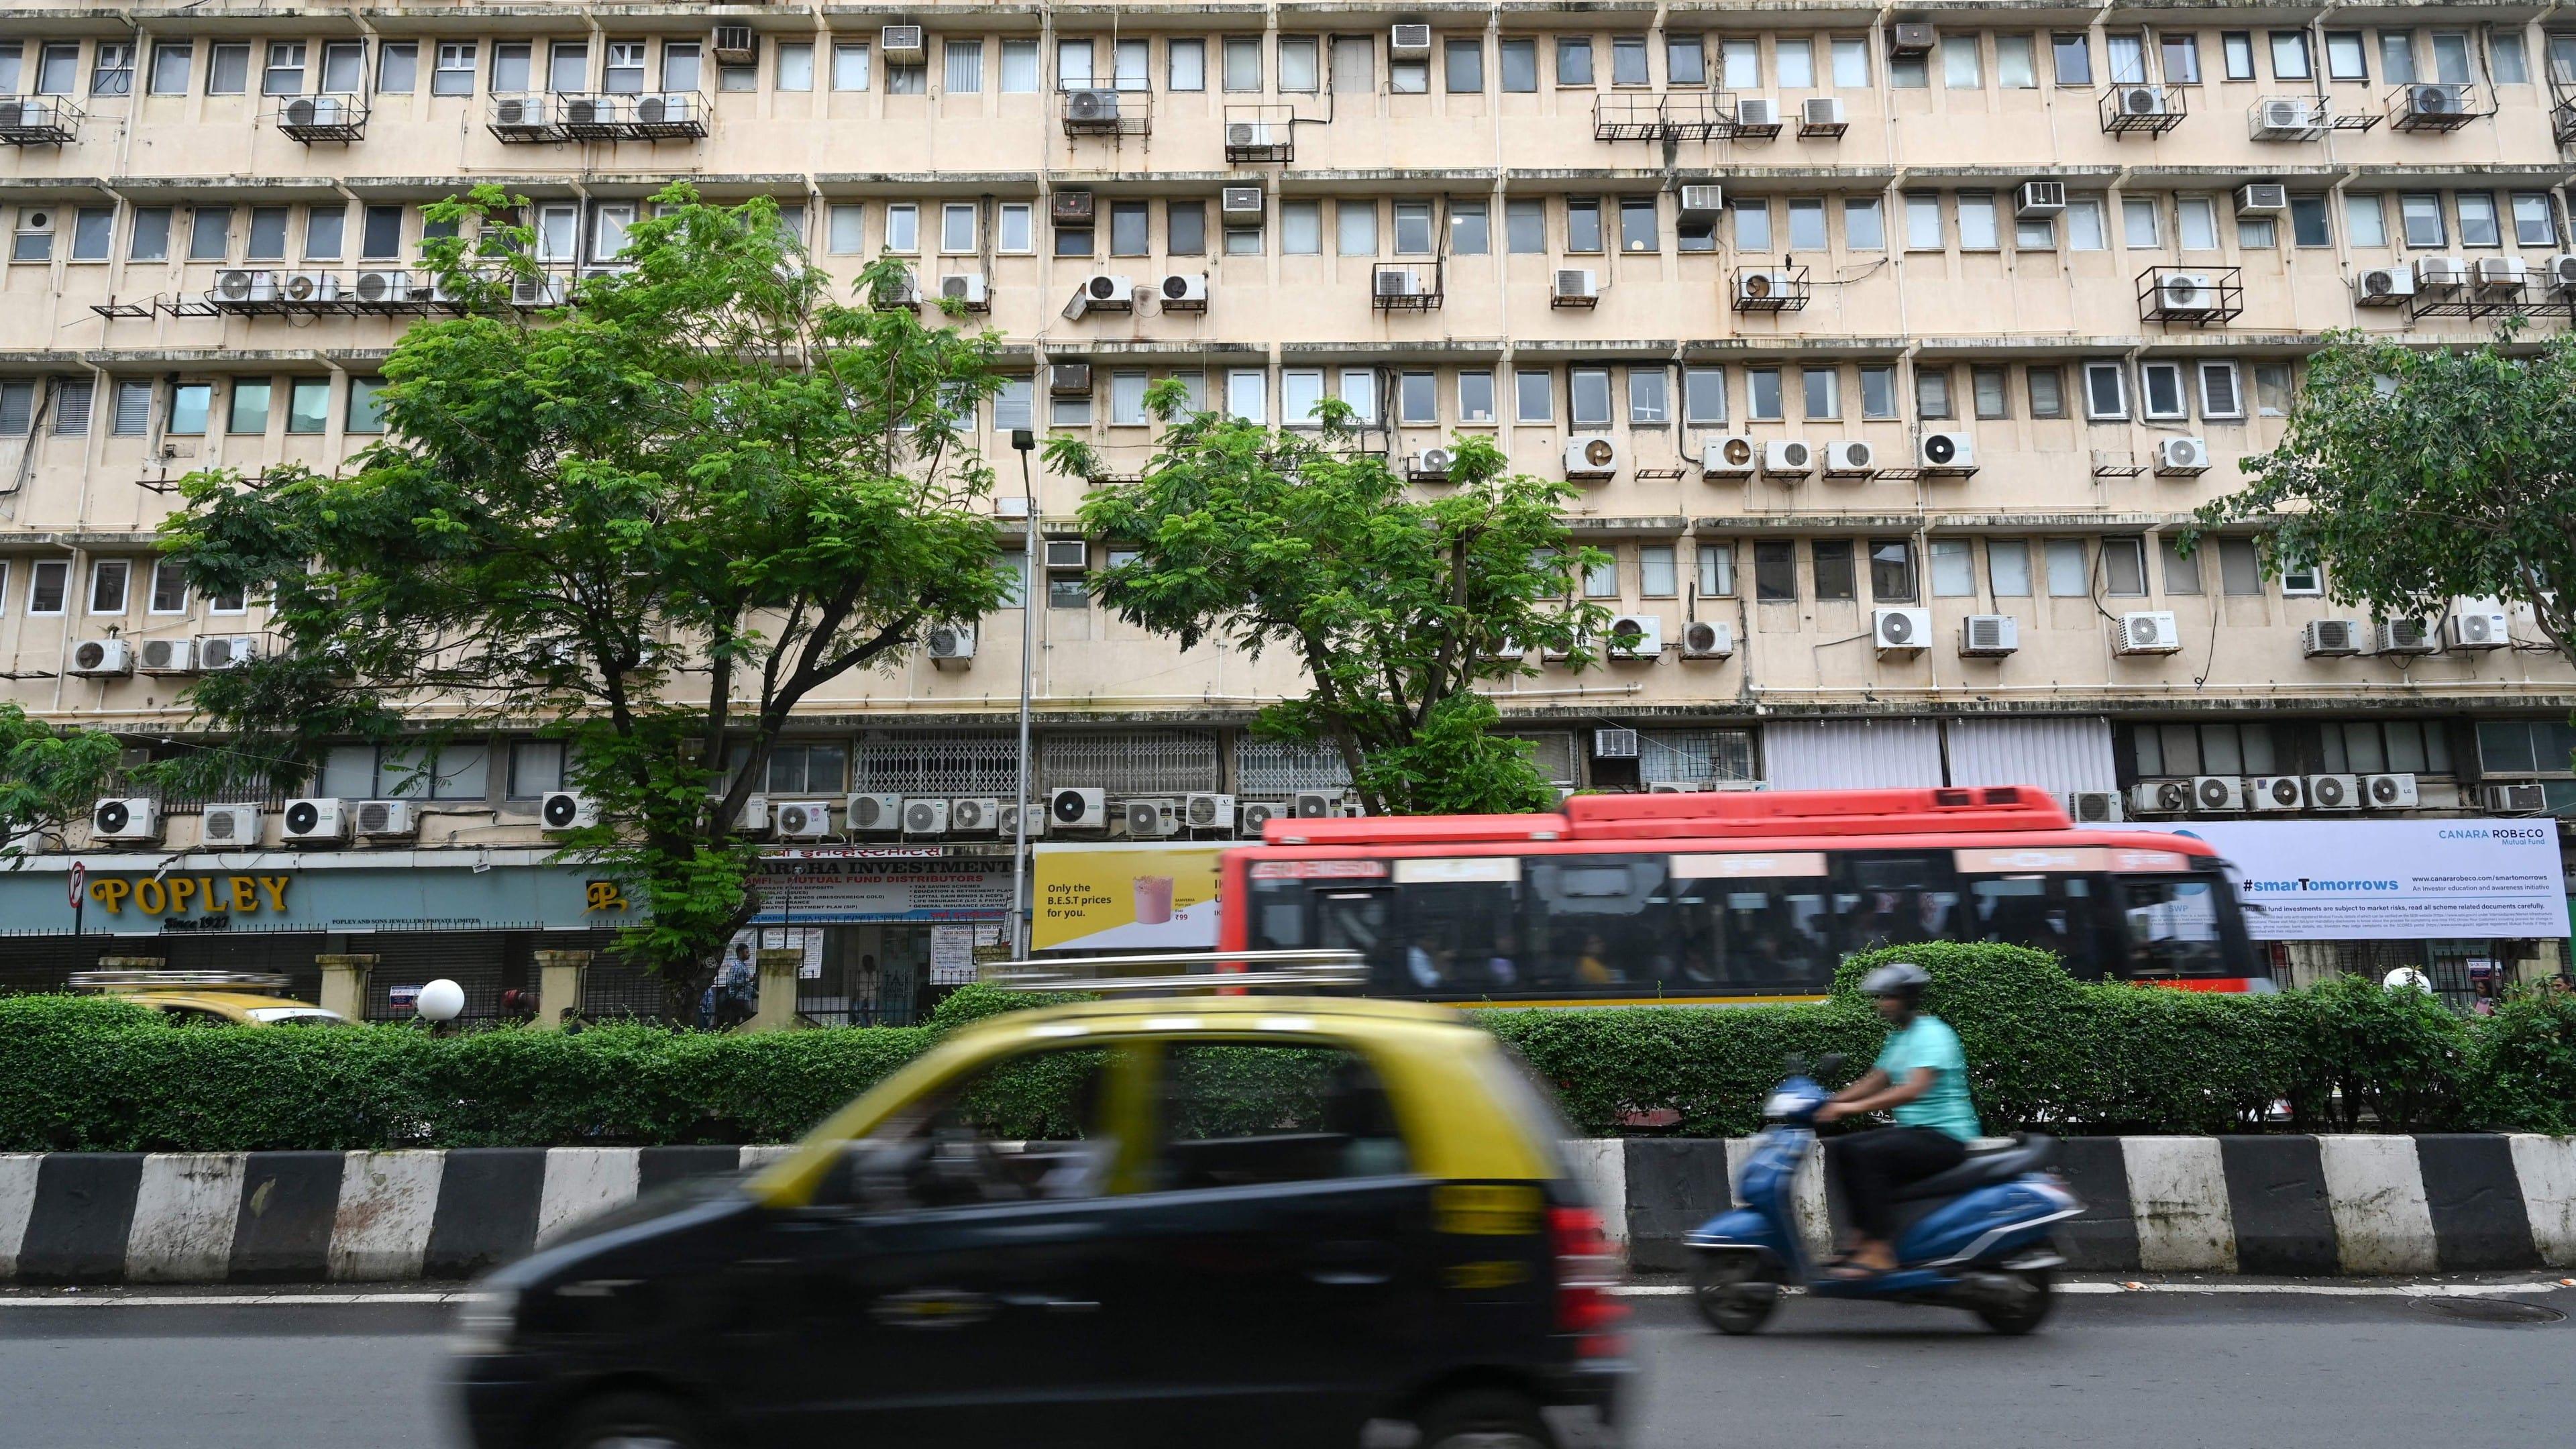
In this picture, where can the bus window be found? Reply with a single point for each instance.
(1459, 937)
(1279, 915)
(1597, 921)
(1896, 900)
(1755, 934)
(2172, 929)
(2053, 913)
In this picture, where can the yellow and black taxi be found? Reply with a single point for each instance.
(209, 998)
(1222, 1220)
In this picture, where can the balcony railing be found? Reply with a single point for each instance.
(1770, 289)
(38, 121)
(545, 117)
(1260, 133)
(2142, 109)
(2562, 113)
(1405, 286)
(2491, 287)
(1690, 116)
(1106, 111)
(250, 291)
(309, 119)
(2191, 296)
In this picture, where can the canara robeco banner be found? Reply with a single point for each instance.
(2392, 880)
(1126, 897)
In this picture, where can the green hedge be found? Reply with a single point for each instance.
(2045, 1050)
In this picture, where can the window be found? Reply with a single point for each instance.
(2478, 225)
(133, 415)
(2071, 52)
(57, 66)
(1775, 571)
(1073, 68)
(2505, 55)
(1301, 228)
(2272, 389)
(1463, 65)
(29, 244)
(397, 66)
(1823, 389)
(1240, 57)
(228, 68)
(1247, 395)
(1590, 396)
(1573, 60)
(1185, 228)
(1762, 393)
(2236, 51)
(2162, 385)
(2302, 579)
(1908, 72)
(2239, 569)
(308, 405)
(1637, 224)
(2397, 56)
(71, 406)
(2085, 229)
(2181, 59)
(191, 404)
(365, 410)
(1993, 398)
(1836, 577)
(2195, 224)
(452, 72)
(1601, 579)
(2106, 391)
(2182, 570)
(1355, 228)
(2535, 220)
(1740, 65)
(1243, 241)
(323, 228)
(1932, 392)
(965, 68)
(1301, 391)
(2220, 397)
(2365, 219)
(250, 406)
(850, 66)
(1864, 227)
(1519, 58)
(2138, 222)
(2421, 214)
(844, 229)
(1014, 406)
(1977, 221)
(1408, 76)
(111, 71)
(2035, 233)
(568, 66)
(903, 229)
(2047, 393)
(108, 578)
(1752, 226)
(1878, 391)
(1127, 400)
(1417, 399)
(2125, 56)
(1891, 571)
(1923, 221)
(2290, 55)
(2308, 226)
(1716, 570)
(2451, 63)
(1582, 224)
(2124, 567)
(1185, 65)
(2066, 576)
(1649, 396)
(1128, 226)
(1703, 396)
(1133, 62)
(609, 224)
(1851, 63)
(1359, 393)
(1525, 226)
(169, 588)
(1686, 59)
(1475, 396)
(1413, 228)
(1533, 395)
(1960, 70)
(1468, 232)
(2505, 747)
(171, 60)
(93, 233)
(1658, 575)
(1806, 224)
(511, 67)
(1628, 61)
(284, 73)
(267, 234)
(1954, 569)
(2346, 58)
(2016, 63)
(49, 580)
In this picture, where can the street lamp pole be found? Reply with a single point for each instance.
(1025, 441)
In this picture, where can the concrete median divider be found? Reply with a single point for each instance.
(2267, 1205)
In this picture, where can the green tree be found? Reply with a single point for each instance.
(2421, 475)
(652, 523)
(1397, 606)
(48, 778)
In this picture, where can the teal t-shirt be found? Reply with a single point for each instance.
(1929, 1042)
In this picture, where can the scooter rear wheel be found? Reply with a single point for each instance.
(1734, 1292)
(2033, 1294)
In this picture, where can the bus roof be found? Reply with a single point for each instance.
(1705, 814)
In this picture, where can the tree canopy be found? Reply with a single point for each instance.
(49, 777)
(1398, 606)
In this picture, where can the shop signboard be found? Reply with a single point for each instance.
(1126, 897)
(2392, 880)
(823, 887)
(356, 892)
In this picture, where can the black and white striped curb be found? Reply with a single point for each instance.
(2269, 1205)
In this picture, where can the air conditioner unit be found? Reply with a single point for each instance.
(925, 815)
(974, 815)
(1614, 744)
(1635, 636)
(229, 825)
(1077, 808)
(1184, 292)
(1012, 506)
(2384, 286)
(2287, 119)
(132, 818)
(1910, 40)
(1068, 377)
(951, 643)
(675, 109)
(1010, 823)
(387, 819)
(1769, 286)
(307, 821)
(737, 45)
(2041, 198)
(2437, 99)
(1788, 457)
(969, 288)
(1091, 108)
(1431, 465)
(1900, 631)
(2262, 198)
(1989, 636)
(522, 113)
(2441, 273)
(2276, 792)
(1070, 206)
(1398, 282)
(2160, 797)
(2402, 636)
(1246, 136)
(242, 287)
(543, 290)
(2147, 633)
(2515, 799)
(98, 658)
(801, 819)
(2561, 272)
(1251, 815)
(2473, 629)
(2186, 292)
(2331, 638)
(2094, 807)
(1109, 291)
(2144, 101)
(1703, 200)
(381, 288)
(1946, 453)
(2217, 794)
(168, 656)
(1315, 805)
(2502, 274)
(903, 45)
(1731, 456)
(1823, 111)
(1068, 554)
(1241, 201)
(2182, 456)
(2388, 792)
(1410, 41)
(754, 816)
(1503, 649)
(226, 651)
(593, 110)
(1152, 819)
(1707, 639)
(1756, 112)
(1577, 284)
(1591, 456)
(1207, 812)
(872, 813)
(2334, 792)
(564, 810)
(1849, 459)
(308, 288)
(305, 112)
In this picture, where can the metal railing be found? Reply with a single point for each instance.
(1227, 971)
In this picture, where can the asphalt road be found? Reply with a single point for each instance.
(2148, 1369)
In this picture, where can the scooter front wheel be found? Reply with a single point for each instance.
(1735, 1292)
(2018, 1302)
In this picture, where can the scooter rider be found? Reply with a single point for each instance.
(1923, 1075)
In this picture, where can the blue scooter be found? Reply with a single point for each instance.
(1976, 1237)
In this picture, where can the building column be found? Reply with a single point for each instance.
(559, 976)
(344, 983)
(777, 1010)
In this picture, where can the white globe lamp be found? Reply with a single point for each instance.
(440, 1000)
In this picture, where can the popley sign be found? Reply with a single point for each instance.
(182, 895)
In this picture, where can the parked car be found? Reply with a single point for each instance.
(209, 998)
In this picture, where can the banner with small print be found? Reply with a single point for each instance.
(2391, 880)
(1126, 897)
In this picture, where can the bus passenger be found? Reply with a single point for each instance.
(1594, 969)
(1421, 962)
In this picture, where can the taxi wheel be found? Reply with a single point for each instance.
(1485, 1419)
(630, 1421)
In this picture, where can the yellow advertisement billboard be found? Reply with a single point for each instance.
(1126, 897)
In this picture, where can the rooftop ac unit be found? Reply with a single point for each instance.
(1946, 453)
(1577, 284)
(1184, 292)
(1635, 636)
(1788, 457)
(873, 813)
(2388, 792)
(1070, 206)
(132, 818)
(1091, 109)
(2435, 274)
(1078, 808)
(1900, 631)
(2217, 794)
(229, 825)
(1398, 282)
(1756, 112)
(1241, 201)
(1989, 636)
(2276, 792)
(1153, 819)
(99, 658)
(2528, 799)
(1207, 812)
(1246, 136)
(2401, 636)
(2179, 456)
(381, 288)
(1251, 815)
(1849, 459)
(1068, 377)
(737, 45)
(1109, 292)
(925, 816)
(306, 821)
(2560, 272)
(2502, 274)
(1910, 40)
(975, 815)
(2384, 286)
(2334, 792)
(2160, 797)
(1731, 456)
(970, 288)
(1591, 456)
(801, 819)
(1823, 111)
(387, 819)
(1431, 465)
(1614, 744)
(2144, 101)
(2262, 198)
(1410, 40)
(2480, 629)
(1771, 286)
(226, 651)
(1315, 805)
(2094, 807)
(951, 643)
(2331, 638)
(241, 287)
(2186, 292)
(2147, 633)
(169, 656)
(1703, 200)
(2287, 119)
(1068, 554)
(2041, 198)
(1707, 639)
(903, 45)
(565, 810)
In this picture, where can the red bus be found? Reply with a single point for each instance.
(1730, 897)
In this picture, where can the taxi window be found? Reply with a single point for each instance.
(1041, 1125)
(1247, 1114)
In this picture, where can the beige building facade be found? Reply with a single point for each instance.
(1888, 348)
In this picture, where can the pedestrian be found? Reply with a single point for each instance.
(736, 989)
